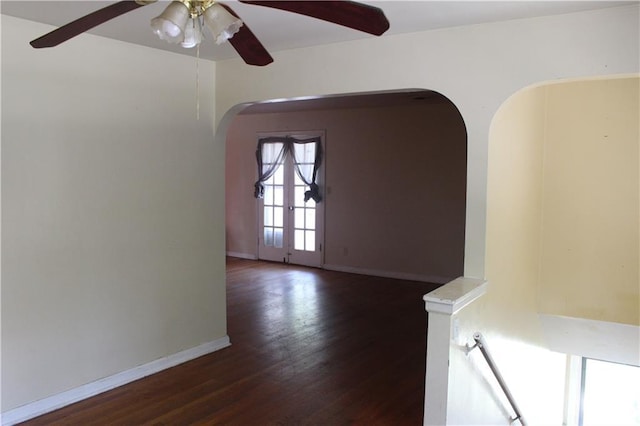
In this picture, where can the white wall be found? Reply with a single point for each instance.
(477, 67)
(507, 313)
(113, 244)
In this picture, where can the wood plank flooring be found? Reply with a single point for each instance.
(309, 347)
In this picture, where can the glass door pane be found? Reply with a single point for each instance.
(305, 215)
(273, 210)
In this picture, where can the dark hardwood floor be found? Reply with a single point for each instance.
(309, 347)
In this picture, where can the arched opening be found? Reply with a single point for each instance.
(561, 248)
(394, 182)
(563, 199)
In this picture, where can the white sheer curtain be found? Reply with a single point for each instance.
(270, 155)
(306, 155)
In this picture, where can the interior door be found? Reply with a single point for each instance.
(272, 216)
(290, 230)
(304, 225)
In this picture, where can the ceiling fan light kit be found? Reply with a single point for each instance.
(182, 22)
(192, 34)
(222, 24)
(169, 26)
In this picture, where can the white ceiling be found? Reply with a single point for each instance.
(280, 30)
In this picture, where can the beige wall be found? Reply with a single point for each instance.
(562, 236)
(112, 243)
(390, 173)
(589, 263)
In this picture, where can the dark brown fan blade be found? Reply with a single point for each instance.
(247, 45)
(85, 23)
(351, 14)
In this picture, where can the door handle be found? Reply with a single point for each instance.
(291, 208)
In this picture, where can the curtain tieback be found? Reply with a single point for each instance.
(259, 190)
(313, 192)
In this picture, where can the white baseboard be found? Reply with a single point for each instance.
(387, 274)
(46, 405)
(242, 255)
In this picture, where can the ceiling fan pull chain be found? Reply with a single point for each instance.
(198, 82)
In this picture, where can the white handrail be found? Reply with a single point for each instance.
(482, 345)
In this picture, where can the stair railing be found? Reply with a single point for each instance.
(482, 345)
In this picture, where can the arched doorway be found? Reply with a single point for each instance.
(394, 182)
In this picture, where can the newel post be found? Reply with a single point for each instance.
(441, 305)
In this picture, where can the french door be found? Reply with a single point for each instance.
(290, 230)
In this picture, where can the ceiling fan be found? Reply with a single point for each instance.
(183, 21)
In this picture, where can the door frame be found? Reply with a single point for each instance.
(320, 207)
